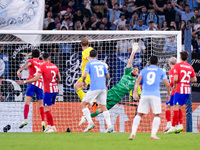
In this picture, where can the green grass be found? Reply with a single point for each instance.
(97, 141)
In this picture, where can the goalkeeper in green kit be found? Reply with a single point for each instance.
(117, 92)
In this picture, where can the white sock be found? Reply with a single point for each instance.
(155, 126)
(86, 113)
(169, 124)
(136, 122)
(106, 115)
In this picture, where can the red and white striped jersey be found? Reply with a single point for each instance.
(49, 72)
(33, 70)
(171, 78)
(184, 71)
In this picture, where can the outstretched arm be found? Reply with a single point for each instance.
(24, 67)
(59, 77)
(130, 61)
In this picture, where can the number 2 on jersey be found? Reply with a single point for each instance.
(54, 75)
(151, 76)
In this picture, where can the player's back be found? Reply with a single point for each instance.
(151, 77)
(97, 71)
(33, 70)
(85, 54)
(34, 67)
(184, 71)
(49, 72)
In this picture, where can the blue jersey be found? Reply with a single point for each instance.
(151, 77)
(97, 71)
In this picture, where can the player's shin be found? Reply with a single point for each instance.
(106, 115)
(155, 126)
(86, 113)
(26, 110)
(42, 113)
(136, 122)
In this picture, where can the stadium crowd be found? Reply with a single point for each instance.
(124, 15)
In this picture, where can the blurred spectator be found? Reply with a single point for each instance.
(171, 46)
(99, 4)
(113, 14)
(92, 22)
(130, 5)
(196, 45)
(57, 4)
(140, 26)
(161, 14)
(85, 10)
(197, 25)
(134, 19)
(101, 26)
(128, 26)
(143, 14)
(196, 14)
(123, 46)
(96, 24)
(164, 26)
(86, 19)
(58, 26)
(121, 21)
(173, 24)
(185, 15)
(107, 24)
(52, 25)
(125, 12)
(97, 12)
(48, 20)
(48, 7)
(152, 16)
(78, 25)
(145, 3)
(67, 21)
(78, 16)
(167, 10)
(152, 26)
(63, 28)
(70, 5)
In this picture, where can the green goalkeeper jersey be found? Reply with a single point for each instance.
(126, 84)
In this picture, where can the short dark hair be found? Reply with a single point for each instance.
(184, 55)
(35, 53)
(153, 60)
(45, 55)
(93, 53)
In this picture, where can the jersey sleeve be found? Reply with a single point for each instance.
(176, 70)
(163, 75)
(87, 68)
(105, 70)
(29, 60)
(127, 71)
(41, 69)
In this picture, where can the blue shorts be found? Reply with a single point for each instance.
(49, 98)
(180, 99)
(31, 89)
(171, 101)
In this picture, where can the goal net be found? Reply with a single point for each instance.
(114, 48)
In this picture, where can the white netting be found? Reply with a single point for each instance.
(113, 48)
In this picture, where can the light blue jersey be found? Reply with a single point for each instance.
(151, 78)
(97, 71)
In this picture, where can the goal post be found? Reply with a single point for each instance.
(114, 48)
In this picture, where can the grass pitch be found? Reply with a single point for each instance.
(97, 141)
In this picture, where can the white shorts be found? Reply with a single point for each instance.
(99, 95)
(147, 101)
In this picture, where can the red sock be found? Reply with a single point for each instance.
(175, 118)
(168, 115)
(180, 116)
(42, 112)
(49, 118)
(26, 110)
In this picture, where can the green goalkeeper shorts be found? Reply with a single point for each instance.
(112, 99)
